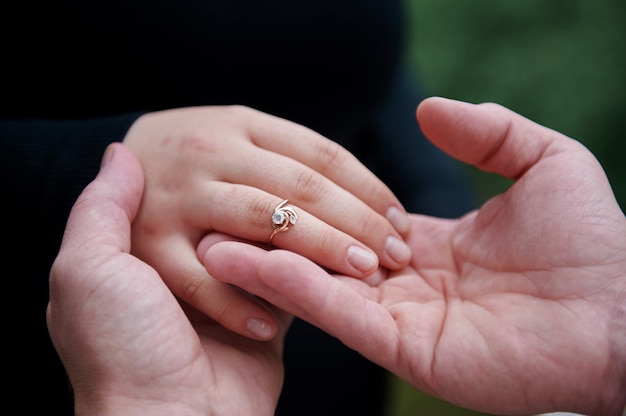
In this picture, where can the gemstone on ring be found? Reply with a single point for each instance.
(282, 217)
(278, 218)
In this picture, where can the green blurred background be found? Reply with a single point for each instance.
(561, 63)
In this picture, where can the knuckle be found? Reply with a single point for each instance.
(327, 243)
(368, 224)
(331, 154)
(191, 290)
(309, 186)
(200, 293)
(239, 110)
(259, 214)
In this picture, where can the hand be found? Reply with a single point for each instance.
(126, 344)
(225, 169)
(517, 308)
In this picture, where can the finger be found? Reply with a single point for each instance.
(487, 136)
(97, 231)
(298, 286)
(188, 279)
(330, 160)
(238, 263)
(251, 219)
(211, 239)
(283, 318)
(102, 214)
(330, 203)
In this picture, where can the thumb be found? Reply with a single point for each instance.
(488, 136)
(103, 212)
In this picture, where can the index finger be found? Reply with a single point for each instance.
(300, 287)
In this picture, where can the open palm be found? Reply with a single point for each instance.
(514, 309)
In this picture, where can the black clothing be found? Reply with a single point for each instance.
(77, 74)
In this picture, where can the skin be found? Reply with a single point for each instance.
(225, 169)
(517, 308)
(127, 344)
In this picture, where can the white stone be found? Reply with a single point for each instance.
(278, 218)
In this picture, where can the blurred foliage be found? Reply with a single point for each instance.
(404, 400)
(561, 63)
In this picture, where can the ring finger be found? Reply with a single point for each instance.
(251, 219)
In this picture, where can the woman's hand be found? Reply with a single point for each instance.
(225, 169)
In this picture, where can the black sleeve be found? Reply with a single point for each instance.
(45, 166)
(426, 180)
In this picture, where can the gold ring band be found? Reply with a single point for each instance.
(282, 218)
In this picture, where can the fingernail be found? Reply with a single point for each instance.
(399, 219)
(107, 156)
(361, 259)
(259, 328)
(397, 250)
